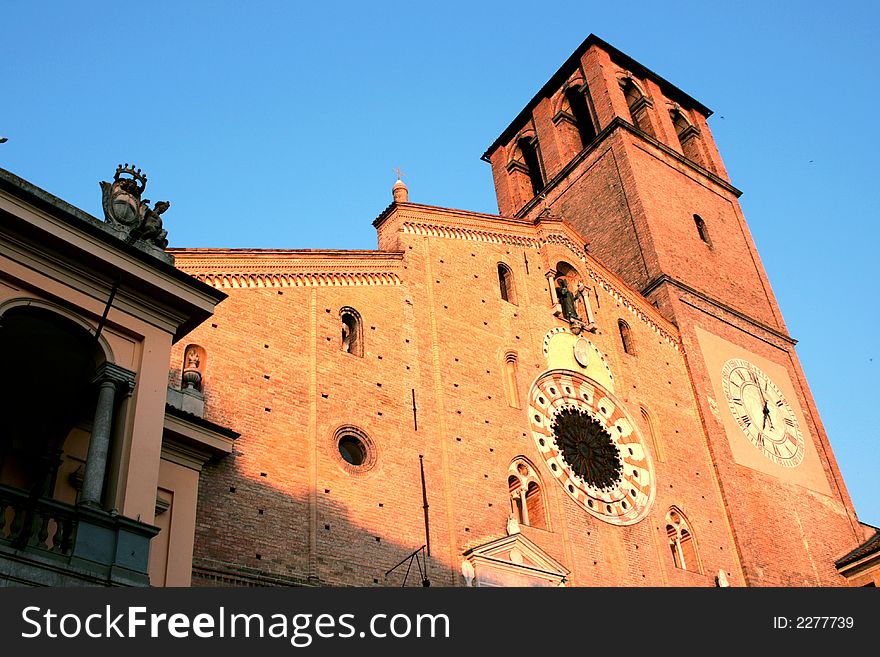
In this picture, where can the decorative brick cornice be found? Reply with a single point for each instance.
(471, 234)
(304, 279)
(278, 269)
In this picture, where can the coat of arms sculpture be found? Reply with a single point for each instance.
(124, 209)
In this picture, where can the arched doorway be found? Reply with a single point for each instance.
(47, 399)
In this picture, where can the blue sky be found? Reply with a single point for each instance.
(277, 124)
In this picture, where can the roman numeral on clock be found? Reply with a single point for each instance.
(746, 420)
(789, 421)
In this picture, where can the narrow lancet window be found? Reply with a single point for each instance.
(505, 283)
(626, 337)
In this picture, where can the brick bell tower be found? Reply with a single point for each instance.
(627, 159)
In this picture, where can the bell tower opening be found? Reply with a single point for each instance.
(577, 101)
(529, 150)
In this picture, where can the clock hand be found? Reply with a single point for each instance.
(767, 414)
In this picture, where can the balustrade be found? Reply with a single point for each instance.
(40, 523)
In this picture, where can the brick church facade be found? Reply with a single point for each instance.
(456, 343)
(594, 387)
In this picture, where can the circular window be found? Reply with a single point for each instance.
(587, 448)
(592, 447)
(353, 449)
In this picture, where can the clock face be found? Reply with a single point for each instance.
(762, 412)
(591, 447)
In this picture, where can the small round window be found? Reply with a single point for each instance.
(352, 450)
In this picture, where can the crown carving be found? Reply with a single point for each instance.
(135, 176)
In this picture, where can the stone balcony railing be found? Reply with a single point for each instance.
(50, 543)
(47, 525)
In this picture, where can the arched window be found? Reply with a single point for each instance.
(681, 542)
(701, 230)
(528, 146)
(352, 331)
(576, 100)
(535, 505)
(652, 434)
(45, 436)
(682, 127)
(688, 135)
(511, 383)
(505, 283)
(517, 510)
(638, 103)
(526, 495)
(626, 338)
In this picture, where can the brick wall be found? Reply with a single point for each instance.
(443, 332)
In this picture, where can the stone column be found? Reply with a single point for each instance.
(551, 281)
(584, 291)
(110, 379)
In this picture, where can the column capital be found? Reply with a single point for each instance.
(123, 378)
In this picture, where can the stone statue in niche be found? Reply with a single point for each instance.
(124, 209)
(567, 300)
(568, 306)
(192, 369)
(192, 359)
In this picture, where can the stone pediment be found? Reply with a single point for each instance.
(512, 560)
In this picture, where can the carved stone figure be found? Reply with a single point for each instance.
(192, 359)
(567, 301)
(151, 227)
(192, 373)
(123, 207)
